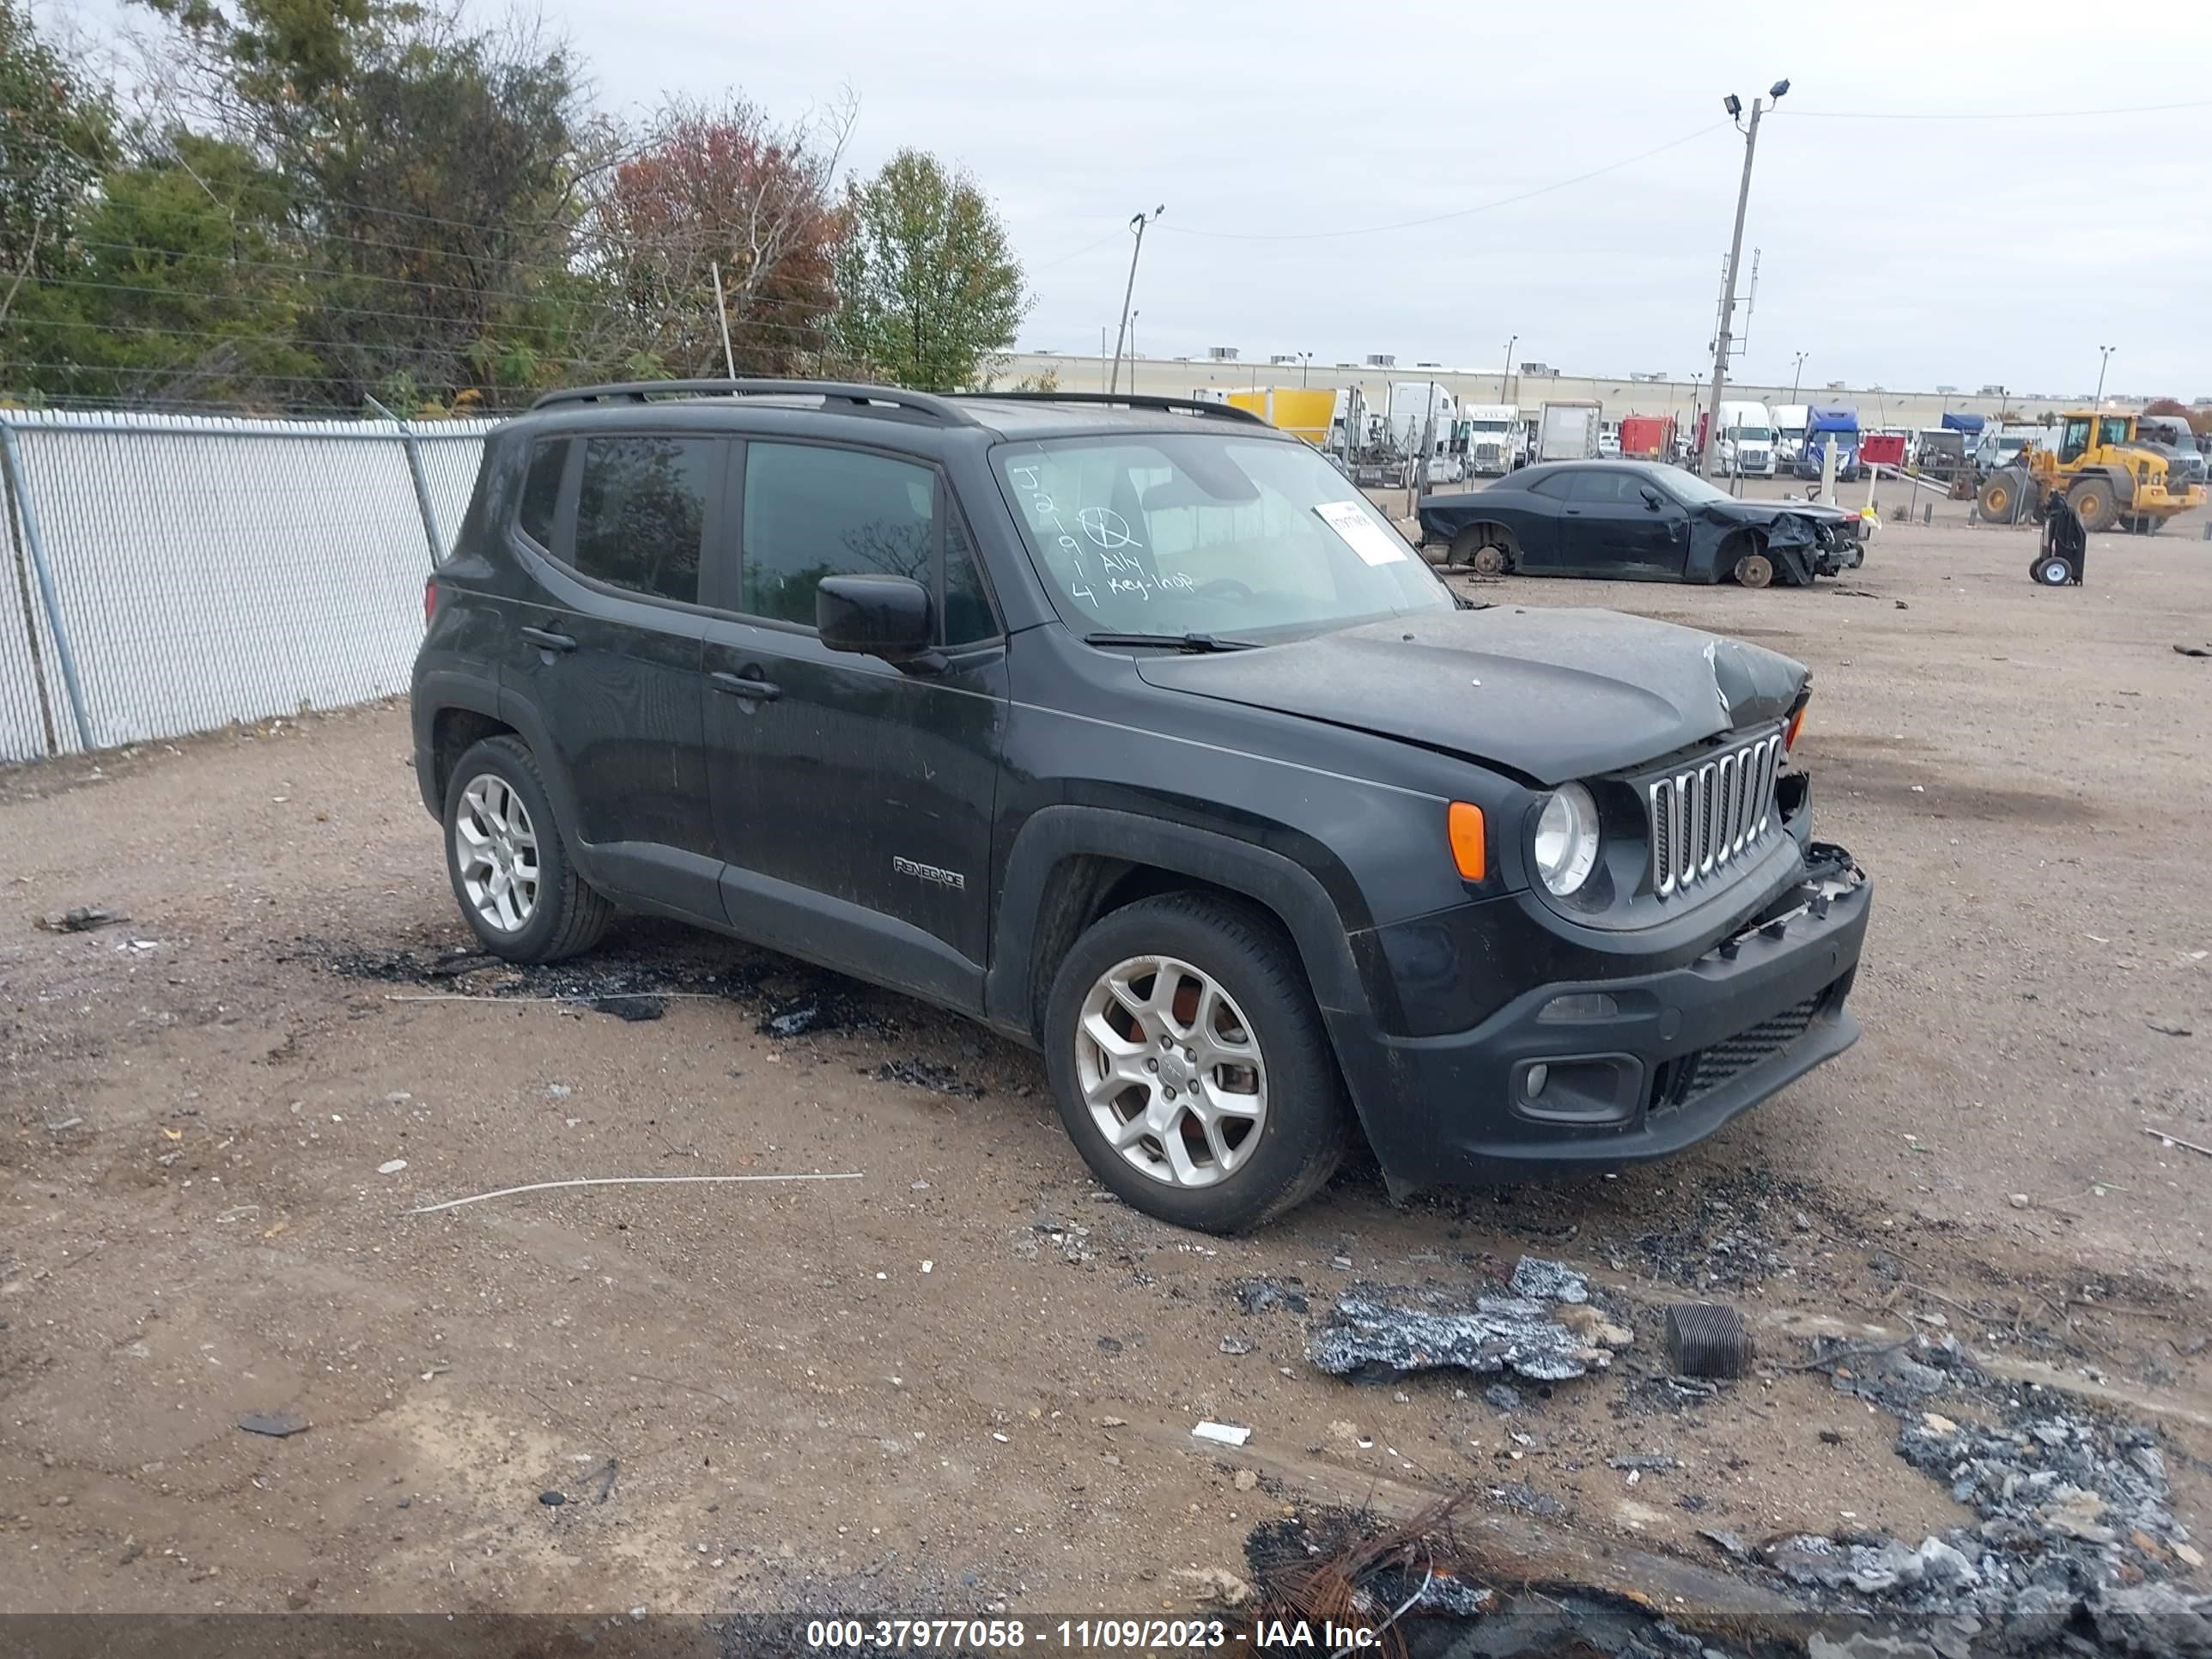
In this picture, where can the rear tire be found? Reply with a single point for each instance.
(508, 862)
(1233, 962)
(1481, 547)
(2051, 571)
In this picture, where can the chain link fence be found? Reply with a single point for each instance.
(171, 573)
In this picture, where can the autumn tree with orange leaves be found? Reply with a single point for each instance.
(721, 185)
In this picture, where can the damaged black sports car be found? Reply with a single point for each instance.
(1637, 521)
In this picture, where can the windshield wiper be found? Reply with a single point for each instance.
(1195, 643)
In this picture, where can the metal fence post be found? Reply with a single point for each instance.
(13, 461)
(421, 481)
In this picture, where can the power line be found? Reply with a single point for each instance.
(1993, 114)
(310, 305)
(1456, 213)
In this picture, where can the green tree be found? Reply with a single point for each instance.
(929, 290)
(57, 135)
(185, 286)
(431, 175)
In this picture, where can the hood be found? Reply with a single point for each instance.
(1742, 512)
(1553, 695)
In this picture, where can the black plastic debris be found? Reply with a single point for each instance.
(552, 1500)
(85, 917)
(925, 1074)
(1261, 1294)
(1370, 1339)
(1708, 1339)
(631, 1006)
(276, 1425)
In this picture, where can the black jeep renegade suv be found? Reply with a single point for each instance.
(1127, 727)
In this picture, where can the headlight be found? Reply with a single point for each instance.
(1566, 839)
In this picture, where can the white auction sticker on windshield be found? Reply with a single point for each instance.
(1361, 533)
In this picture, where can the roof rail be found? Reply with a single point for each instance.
(1126, 400)
(831, 392)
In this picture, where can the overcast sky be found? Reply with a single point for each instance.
(1907, 252)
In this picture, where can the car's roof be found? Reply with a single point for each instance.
(850, 410)
(1543, 470)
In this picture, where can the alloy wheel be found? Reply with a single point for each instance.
(496, 849)
(1171, 1071)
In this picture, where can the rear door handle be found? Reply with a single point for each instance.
(752, 687)
(549, 640)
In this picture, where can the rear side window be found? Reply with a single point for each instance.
(812, 512)
(1555, 486)
(641, 513)
(541, 489)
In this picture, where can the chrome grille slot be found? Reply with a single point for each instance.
(1704, 817)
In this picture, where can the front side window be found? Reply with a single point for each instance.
(967, 611)
(641, 513)
(1176, 533)
(812, 512)
(1609, 488)
(2075, 441)
(2115, 430)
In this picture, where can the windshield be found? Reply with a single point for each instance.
(1750, 434)
(1180, 534)
(1491, 426)
(1690, 490)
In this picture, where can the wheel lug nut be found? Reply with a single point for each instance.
(1190, 1053)
(1170, 1093)
(1152, 1066)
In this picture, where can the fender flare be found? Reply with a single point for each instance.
(1053, 834)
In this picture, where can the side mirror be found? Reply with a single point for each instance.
(1651, 498)
(885, 617)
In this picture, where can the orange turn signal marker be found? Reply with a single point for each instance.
(1797, 724)
(1470, 847)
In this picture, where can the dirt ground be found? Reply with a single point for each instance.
(966, 1376)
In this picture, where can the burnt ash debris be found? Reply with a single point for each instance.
(631, 978)
(1377, 1335)
(2075, 1536)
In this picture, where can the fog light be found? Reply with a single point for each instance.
(1581, 1005)
(1539, 1075)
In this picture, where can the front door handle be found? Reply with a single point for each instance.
(752, 687)
(545, 638)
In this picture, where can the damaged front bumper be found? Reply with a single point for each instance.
(1611, 1069)
(1805, 547)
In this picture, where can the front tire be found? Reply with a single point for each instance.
(1190, 1064)
(2094, 503)
(507, 862)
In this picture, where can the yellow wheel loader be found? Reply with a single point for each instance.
(2108, 475)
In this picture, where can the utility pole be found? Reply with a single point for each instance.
(722, 316)
(1797, 374)
(1507, 368)
(2103, 363)
(1733, 106)
(1136, 224)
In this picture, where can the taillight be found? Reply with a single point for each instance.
(429, 600)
